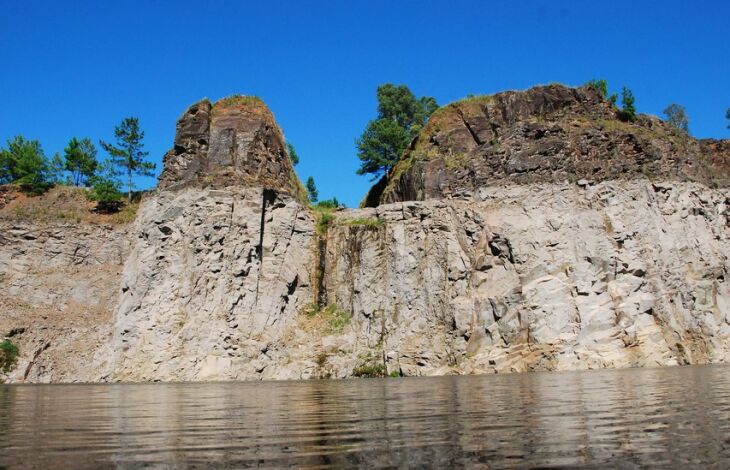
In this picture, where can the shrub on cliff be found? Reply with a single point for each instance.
(400, 117)
(293, 155)
(602, 86)
(105, 189)
(8, 355)
(677, 117)
(628, 110)
(24, 163)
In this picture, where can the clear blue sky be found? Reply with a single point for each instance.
(77, 68)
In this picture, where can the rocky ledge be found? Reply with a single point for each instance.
(545, 134)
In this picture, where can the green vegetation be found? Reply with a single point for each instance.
(80, 161)
(293, 155)
(312, 192)
(8, 355)
(240, 100)
(400, 118)
(127, 153)
(602, 86)
(370, 222)
(369, 370)
(24, 163)
(324, 217)
(628, 110)
(334, 319)
(677, 117)
(332, 203)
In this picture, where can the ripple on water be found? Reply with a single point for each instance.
(670, 417)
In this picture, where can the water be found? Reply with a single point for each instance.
(673, 417)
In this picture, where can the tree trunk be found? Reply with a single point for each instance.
(129, 187)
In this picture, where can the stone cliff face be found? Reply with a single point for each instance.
(60, 282)
(545, 134)
(573, 241)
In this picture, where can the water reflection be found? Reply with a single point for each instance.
(673, 417)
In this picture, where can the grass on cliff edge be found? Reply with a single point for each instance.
(328, 320)
(60, 204)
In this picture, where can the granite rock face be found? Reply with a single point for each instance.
(213, 279)
(545, 134)
(59, 284)
(227, 275)
(540, 276)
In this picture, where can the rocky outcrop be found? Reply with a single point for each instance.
(234, 142)
(546, 134)
(511, 262)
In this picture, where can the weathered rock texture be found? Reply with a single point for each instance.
(511, 263)
(234, 142)
(545, 134)
(541, 276)
(213, 280)
(59, 284)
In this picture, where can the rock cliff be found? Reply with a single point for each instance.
(545, 134)
(526, 231)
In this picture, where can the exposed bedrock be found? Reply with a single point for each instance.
(578, 241)
(545, 134)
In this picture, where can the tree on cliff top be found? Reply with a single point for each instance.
(312, 190)
(602, 86)
(128, 153)
(25, 164)
(400, 117)
(677, 117)
(628, 110)
(80, 160)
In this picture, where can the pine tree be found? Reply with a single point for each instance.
(312, 190)
(128, 154)
(80, 156)
(628, 111)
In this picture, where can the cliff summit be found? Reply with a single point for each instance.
(548, 133)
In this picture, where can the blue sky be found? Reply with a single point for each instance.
(77, 68)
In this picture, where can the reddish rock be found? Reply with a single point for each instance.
(545, 134)
(234, 142)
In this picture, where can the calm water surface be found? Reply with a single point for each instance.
(674, 417)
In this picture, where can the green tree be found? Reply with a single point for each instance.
(677, 117)
(80, 161)
(312, 190)
(400, 117)
(105, 188)
(293, 155)
(628, 110)
(128, 154)
(56, 168)
(24, 164)
(602, 86)
(599, 84)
